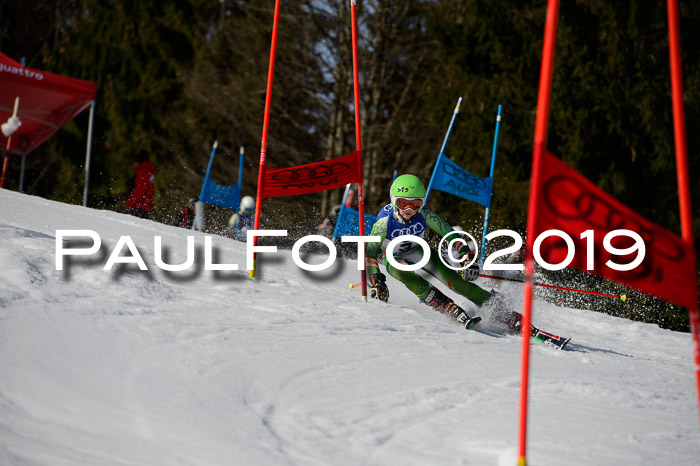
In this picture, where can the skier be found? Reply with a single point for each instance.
(185, 218)
(405, 215)
(243, 220)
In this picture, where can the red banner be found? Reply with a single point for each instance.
(573, 204)
(312, 178)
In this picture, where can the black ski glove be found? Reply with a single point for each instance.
(377, 287)
(472, 272)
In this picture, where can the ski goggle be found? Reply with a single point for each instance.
(403, 203)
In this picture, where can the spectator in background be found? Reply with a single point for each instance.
(327, 227)
(243, 220)
(140, 201)
(185, 218)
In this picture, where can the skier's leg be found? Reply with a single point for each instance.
(431, 296)
(494, 302)
(451, 278)
(417, 284)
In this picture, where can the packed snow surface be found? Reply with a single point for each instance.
(131, 367)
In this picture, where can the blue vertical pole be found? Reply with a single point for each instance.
(240, 167)
(396, 173)
(206, 176)
(236, 228)
(493, 164)
(198, 223)
(442, 149)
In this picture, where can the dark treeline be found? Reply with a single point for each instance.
(173, 75)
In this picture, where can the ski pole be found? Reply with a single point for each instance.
(354, 285)
(621, 297)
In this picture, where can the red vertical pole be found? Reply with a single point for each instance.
(674, 45)
(550, 34)
(358, 134)
(266, 125)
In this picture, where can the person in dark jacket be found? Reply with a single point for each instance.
(140, 201)
(185, 218)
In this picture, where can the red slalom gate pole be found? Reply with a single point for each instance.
(674, 48)
(358, 138)
(266, 125)
(621, 297)
(543, 97)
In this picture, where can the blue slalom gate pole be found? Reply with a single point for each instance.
(198, 223)
(206, 175)
(241, 153)
(493, 164)
(442, 149)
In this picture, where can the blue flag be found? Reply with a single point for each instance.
(453, 179)
(348, 223)
(224, 196)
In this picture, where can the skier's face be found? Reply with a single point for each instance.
(408, 207)
(407, 214)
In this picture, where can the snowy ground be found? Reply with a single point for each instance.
(212, 368)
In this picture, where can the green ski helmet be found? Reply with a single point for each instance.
(408, 187)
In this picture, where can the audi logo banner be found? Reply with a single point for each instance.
(312, 178)
(571, 203)
(453, 179)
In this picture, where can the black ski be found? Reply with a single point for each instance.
(549, 338)
(540, 335)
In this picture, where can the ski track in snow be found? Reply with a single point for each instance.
(213, 368)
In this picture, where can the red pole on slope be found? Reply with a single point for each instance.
(358, 136)
(550, 34)
(674, 45)
(266, 125)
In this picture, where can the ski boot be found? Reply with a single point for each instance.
(444, 305)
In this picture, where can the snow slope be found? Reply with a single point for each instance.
(213, 368)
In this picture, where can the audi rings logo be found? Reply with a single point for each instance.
(568, 199)
(599, 213)
(416, 229)
(463, 176)
(464, 183)
(310, 176)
